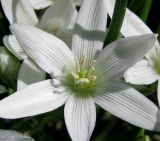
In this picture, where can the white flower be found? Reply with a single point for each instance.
(58, 19)
(40, 4)
(9, 135)
(84, 76)
(147, 70)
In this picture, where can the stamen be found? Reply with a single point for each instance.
(83, 61)
(92, 66)
(92, 78)
(83, 74)
(76, 76)
(82, 81)
(77, 65)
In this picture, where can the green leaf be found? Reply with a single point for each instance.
(141, 8)
(117, 20)
(144, 12)
(135, 5)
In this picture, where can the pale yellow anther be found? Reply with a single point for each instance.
(76, 76)
(93, 68)
(83, 61)
(92, 78)
(92, 65)
(56, 29)
(77, 65)
(82, 81)
(83, 73)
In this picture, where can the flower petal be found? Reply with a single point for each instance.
(153, 53)
(29, 73)
(78, 2)
(2, 89)
(9, 135)
(67, 37)
(89, 31)
(122, 54)
(40, 4)
(12, 44)
(73, 20)
(141, 73)
(58, 17)
(158, 91)
(49, 52)
(129, 105)
(132, 24)
(19, 11)
(35, 99)
(80, 118)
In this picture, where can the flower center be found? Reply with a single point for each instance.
(82, 80)
(156, 65)
(83, 76)
(155, 57)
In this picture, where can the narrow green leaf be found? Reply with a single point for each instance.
(135, 5)
(144, 12)
(147, 138)
(117, 20)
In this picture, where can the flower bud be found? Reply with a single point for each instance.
(9, 67)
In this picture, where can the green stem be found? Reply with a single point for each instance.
(117, 20)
